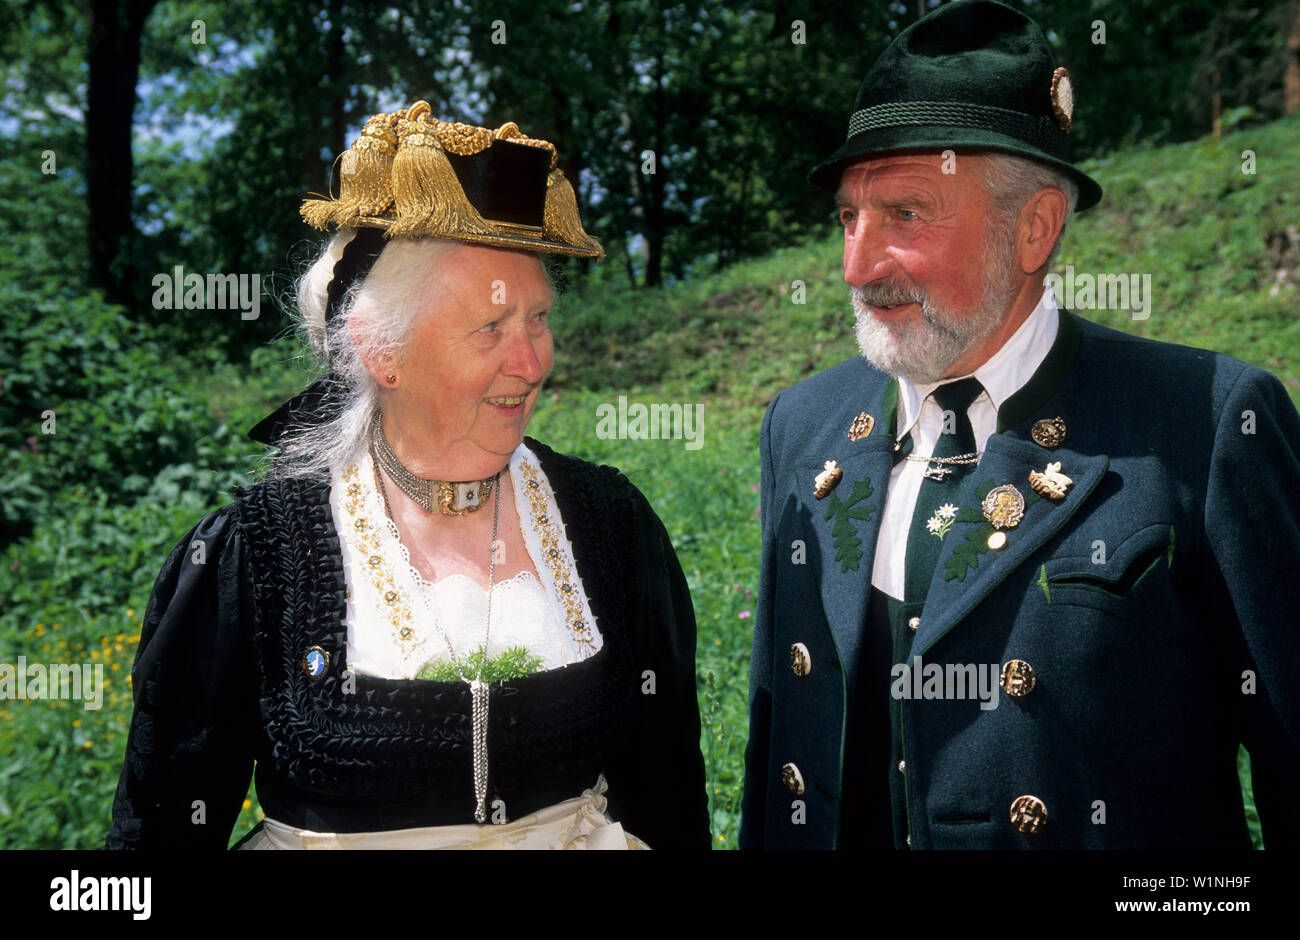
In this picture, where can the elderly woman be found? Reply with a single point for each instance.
(424, 629)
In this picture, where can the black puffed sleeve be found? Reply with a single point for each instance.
(190, 750)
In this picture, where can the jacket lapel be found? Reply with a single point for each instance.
(844, 525)
(957, 586)
(968, 570)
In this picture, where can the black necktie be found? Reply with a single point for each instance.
(930, 521)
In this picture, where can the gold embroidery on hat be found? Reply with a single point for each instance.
(397, 177)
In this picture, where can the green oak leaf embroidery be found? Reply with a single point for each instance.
(848, 547)
(967, 555)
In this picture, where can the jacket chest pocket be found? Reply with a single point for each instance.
(1110, 575)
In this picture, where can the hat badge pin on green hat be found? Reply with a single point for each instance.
(971, 75)
(1062, 99)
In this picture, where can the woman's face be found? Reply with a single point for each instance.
(471, 371)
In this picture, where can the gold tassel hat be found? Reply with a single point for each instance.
(414, 176)
(410, 175)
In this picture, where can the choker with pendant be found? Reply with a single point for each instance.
(448, 498)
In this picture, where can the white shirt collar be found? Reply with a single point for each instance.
(1005, 372)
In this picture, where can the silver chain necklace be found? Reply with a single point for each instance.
(479, 692)
(937, 469)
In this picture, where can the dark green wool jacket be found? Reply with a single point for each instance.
(1153, 604)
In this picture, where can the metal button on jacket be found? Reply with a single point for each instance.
(792, 779)
(1028, 814)
(800, 660)
(1017, 679)
(914, 623)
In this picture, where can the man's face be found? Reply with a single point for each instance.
(931, 277)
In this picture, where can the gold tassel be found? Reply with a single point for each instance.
(318, 213)
(365, 187)
(368, 190)
(561, 222)
(429, 198)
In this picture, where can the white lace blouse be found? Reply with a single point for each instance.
(392, 610)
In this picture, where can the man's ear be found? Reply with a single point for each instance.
(381, 365)
(1038, 228)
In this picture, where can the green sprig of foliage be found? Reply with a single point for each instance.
(515, 663)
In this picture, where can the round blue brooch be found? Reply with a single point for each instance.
(315, 661)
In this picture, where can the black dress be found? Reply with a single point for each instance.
(220, 686)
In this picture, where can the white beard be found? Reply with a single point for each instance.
(922, 352)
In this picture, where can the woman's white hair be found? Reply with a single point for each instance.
(1012, 181)
(382, 308)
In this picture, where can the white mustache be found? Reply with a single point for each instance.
(889, 295)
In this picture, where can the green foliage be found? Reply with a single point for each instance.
(77, 373)
(714, 527)
(514, 663)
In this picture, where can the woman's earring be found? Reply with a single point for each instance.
(392, 379)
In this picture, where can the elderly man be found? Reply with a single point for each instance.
(1025, 580)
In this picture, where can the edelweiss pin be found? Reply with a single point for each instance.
(861, 426)
(942, 520)
(827, 480)
(1051, 483)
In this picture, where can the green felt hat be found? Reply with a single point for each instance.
(974, 75)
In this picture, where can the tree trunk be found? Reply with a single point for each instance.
(113, 57)
(654, 217)
(1216, 106)
(338, 117)
(1291, 82)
